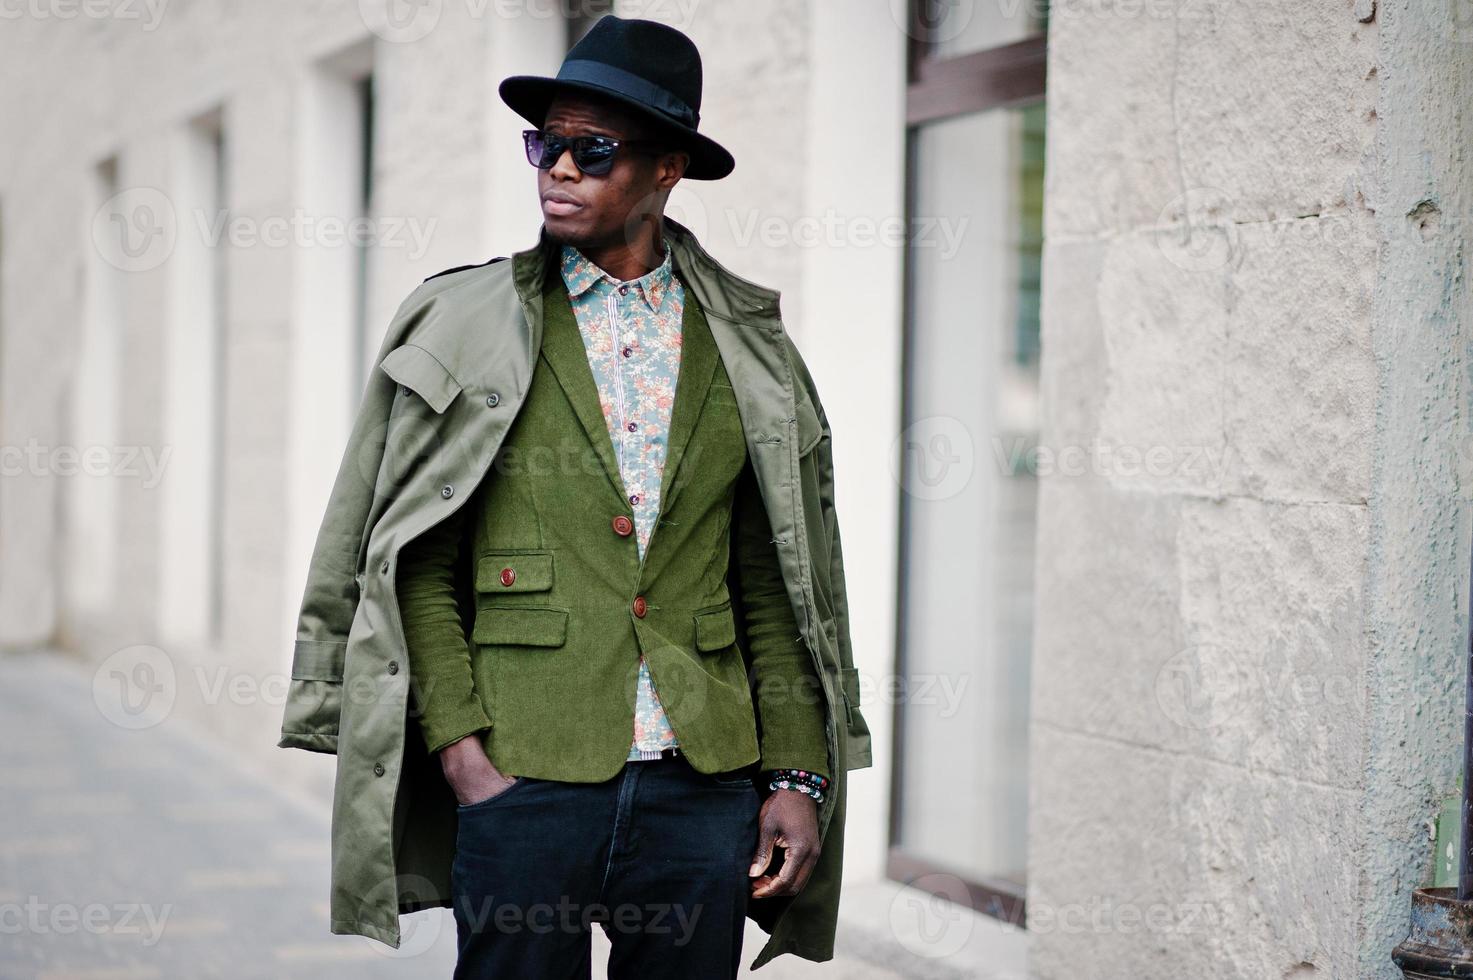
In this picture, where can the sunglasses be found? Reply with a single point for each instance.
(594, 155)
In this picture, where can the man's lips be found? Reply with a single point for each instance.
(560, 204)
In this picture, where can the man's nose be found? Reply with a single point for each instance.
(565, 168)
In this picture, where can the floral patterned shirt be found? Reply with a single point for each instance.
(632, 334)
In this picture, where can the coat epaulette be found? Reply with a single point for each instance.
(462, 268)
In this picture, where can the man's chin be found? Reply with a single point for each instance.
(566, 230)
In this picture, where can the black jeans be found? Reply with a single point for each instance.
(657, 856)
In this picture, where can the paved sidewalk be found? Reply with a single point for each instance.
(141, 854)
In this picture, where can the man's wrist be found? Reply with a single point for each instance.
(803, 781)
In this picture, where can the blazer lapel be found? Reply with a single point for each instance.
(698, 358)
(563, 349)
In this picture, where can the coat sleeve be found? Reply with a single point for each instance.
(330, 600)
(858, 752)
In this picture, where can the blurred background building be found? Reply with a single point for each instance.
(1142, 326)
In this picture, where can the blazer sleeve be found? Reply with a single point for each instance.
(788, 695)
(445, 698)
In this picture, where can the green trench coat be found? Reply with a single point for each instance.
(467, 342)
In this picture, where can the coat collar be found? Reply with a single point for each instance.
(720, 292)
(449, 324)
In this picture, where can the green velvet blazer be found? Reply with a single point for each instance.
(526, 613)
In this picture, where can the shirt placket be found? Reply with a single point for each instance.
(633, 467)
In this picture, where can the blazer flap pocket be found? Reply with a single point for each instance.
(417, 369)
(532, 626)
(810, 430)
(318, 660)
(523, 571)
(716, 629)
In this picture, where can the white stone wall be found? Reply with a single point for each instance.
(1248, 660)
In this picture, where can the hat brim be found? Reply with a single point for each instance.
(530, 95)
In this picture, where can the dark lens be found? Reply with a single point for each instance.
(595, 154)
(543, 148)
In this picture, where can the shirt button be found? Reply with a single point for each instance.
(378, 768)
(493, 399)
(631, 426)
(446, 491)
(623, 290)
(634, 498)
(393, 666)
(623, 526)
(639, 606)
(508, 576)
(628, 351)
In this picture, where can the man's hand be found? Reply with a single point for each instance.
(788, 820)
(470, 773)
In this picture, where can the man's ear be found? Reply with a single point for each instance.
(671, 172)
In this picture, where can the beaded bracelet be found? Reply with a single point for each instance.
(801, 780)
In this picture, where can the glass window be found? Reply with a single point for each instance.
(971, 499)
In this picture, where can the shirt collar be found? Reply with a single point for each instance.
(581, 274)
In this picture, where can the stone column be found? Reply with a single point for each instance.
(1253, 552)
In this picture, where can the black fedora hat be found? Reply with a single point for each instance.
(641, 64)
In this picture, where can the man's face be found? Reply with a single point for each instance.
(594, 211)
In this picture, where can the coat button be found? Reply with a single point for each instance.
(493, 399)
(508, 576)
(378, 768)
(639, 606)
(623, 526)
(406, 390)
(393, 666)
(446, 491)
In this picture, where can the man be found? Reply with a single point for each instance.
(632, 723)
